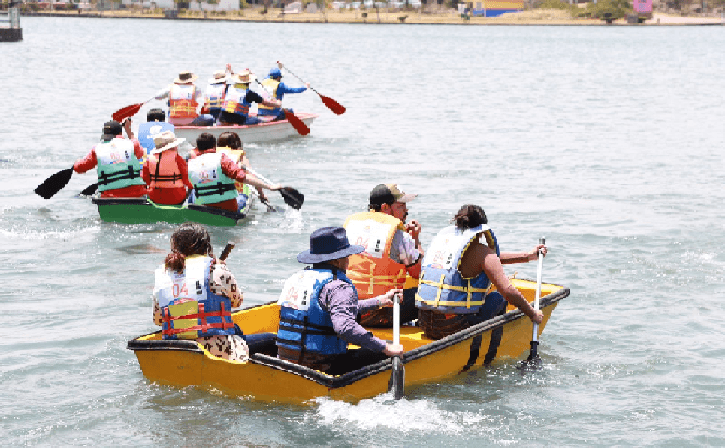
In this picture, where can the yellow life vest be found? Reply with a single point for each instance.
(270, 89)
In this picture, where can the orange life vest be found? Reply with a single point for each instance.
(182, 101)
(373, 272)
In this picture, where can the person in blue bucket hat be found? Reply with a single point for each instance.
(319, 307)
(275, 88)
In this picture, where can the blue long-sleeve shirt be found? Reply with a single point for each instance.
(282, 88)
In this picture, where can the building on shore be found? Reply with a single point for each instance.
(10, 30)
(490, 8)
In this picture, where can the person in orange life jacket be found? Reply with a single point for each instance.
(392, 252)
(118, 163)
(239, 99)
(466, 256)
(192, 263)
(273, 84)
(184, 99)
(213, 175)
(318, 308)
(166, 172)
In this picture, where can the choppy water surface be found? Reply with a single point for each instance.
(608, 141)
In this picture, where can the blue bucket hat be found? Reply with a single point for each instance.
(328, 243)
(275, 73)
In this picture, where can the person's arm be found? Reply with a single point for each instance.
(383, 300)
(494, 271)
(145, 174)
(184, 171)
(282, 88)
(410, 252)
(86, 163)
(254, 97)
(223, 283)
(163, 93)
(338, 298)
(157, 311)
(522, 257)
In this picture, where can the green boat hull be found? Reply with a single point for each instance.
(143, 211)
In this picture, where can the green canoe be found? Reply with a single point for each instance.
(141, 211)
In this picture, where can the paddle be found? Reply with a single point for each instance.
(227, 249)
(89, 190)
(128, 111)
(291, 196)
(331, 104)
(296, 123)
(54, 184)
(397, 377)
(534, 361)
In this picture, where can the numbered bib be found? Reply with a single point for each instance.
(300, 288)
(372, 235)
(174, 286)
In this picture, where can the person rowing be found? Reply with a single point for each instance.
(319, 307)
(213, 174)
(461, 265)
(275, 88)
(117, 161)
(239, 99)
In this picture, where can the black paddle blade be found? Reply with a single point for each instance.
(54, 184)
(397, 379)
(533, 362)
(89, 190)
(292, 197)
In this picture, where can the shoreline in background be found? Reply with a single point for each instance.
(447, 17)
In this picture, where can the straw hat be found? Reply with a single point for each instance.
(185, 77)
(166, 140)
(245, 77)
(218, 77)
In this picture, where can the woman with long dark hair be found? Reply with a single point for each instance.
(461, 265)
(194, 294)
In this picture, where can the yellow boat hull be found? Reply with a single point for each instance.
(266, 378)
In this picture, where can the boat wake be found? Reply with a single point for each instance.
(405, 415)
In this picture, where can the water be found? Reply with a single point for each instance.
(607, 140)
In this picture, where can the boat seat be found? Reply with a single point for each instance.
(265, 343)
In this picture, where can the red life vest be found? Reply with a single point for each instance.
(163, 170)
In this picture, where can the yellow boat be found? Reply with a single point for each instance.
(185, 363)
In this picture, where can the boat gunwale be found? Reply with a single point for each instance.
(100, 202)
(334, 382)
(301, 115)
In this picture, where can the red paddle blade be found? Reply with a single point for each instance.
(125, 112)
(296, 123)
(333, 105)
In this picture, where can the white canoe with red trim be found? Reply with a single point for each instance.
(263, 132)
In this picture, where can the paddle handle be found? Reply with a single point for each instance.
(535, 336)
(396, 319)
(227, 249)
(281, 66)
